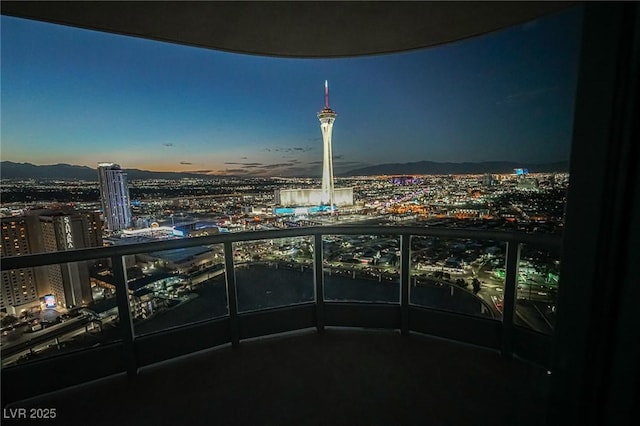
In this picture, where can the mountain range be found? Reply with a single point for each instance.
(434, 168)
(12, 170)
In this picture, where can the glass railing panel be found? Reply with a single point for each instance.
(537, 289)
(361, 268)
(458, 275)
(67, 310)
(273, 273)
(171, 288)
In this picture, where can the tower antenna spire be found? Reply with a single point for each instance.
(327, 116)
(326, 94)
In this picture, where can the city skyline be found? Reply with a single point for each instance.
(82, 97)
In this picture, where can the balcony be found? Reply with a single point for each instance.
(349, 320)
(595, 352)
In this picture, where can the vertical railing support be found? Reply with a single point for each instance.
(508, 304)
(232, 295)
(318, 281)
(124, 315)
(405, 256)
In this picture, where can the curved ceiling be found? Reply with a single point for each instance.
(290, 28)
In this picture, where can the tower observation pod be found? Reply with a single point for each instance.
(327, 116)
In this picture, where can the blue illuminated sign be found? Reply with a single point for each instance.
(303, 210)
(50, 301)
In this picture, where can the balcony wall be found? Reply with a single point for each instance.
(132, 350)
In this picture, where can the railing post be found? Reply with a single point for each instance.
(124, 315)
(230, 274)
(508, 305)
(404, 283)
(318, 279)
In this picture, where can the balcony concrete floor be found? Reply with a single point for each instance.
(350, 377)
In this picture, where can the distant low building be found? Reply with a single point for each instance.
(528, 183)
(183, 260)
(489, 180)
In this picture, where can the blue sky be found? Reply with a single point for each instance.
(82, 97)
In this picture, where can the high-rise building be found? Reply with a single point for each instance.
(60, 231)
(48, 231)
(19, 287)
(114, 195)
(327, 116)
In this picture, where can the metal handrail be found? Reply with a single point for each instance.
(513, 241)
(550, 242)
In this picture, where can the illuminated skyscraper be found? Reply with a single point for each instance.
(114, 194)
(327, 116)
(61, 231)
(18, 285)
(48, 231)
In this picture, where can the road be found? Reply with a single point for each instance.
(45, 340)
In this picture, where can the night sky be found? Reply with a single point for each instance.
(82, 97)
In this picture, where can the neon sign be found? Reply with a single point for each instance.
(50, 301)
(67, 232)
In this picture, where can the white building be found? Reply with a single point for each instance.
(313, 197)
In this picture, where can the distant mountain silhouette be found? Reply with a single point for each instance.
(11, 170)
(433, 168)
